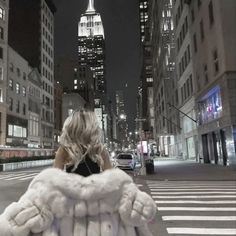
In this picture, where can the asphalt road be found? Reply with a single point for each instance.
(197, 206)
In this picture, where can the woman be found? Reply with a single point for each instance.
(81, 148)
(88, 203)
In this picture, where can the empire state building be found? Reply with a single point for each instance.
(91, 47)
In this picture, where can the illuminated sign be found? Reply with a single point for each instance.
(210, 106)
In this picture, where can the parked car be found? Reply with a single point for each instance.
(125, 161)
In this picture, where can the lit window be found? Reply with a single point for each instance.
(1, 96)
(75, 87)
(10, 130)
(75, 81)
(24, 91)
(11, 84)
(2, 13)
(17, 88)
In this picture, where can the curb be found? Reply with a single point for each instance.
(25, 164)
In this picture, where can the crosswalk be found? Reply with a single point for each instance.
(18, 175)
(196, 207)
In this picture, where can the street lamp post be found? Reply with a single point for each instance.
(143, 169)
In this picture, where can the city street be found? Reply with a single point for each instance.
(195, 200)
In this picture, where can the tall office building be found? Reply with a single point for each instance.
(3, 67)
(31, 34)
(146, 71)
(91, 47)
(163, 48)
(185, 99)
(122, 126)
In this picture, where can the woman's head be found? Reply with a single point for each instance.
(82, 135)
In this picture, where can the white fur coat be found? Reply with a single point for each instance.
(61, 204)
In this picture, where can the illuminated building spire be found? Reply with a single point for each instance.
(91, 6)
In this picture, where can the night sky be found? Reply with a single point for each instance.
(121, 25)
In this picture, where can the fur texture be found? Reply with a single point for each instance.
(61, 204)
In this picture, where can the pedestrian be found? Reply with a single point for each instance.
(80, 201)
(81, 149)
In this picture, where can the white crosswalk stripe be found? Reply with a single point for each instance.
(19, 175)
(195, 207)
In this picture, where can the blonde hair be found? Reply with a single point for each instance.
(81, 136)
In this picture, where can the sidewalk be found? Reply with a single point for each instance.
(175, 169)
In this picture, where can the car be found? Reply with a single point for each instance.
(125, 161)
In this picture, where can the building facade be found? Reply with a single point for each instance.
(146, 78)
(4, 6)
(187, 138)
(214, 68)
(17, 97)
(34, 94)
(35, 42)
(164, 80)
(58, 94)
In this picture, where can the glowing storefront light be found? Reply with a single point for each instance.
(210, 106)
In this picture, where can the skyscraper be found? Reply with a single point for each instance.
(91, 47)
(31, 34)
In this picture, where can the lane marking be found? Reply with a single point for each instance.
(192, 189)
(196, 208)
(195, 202)
(194, 196)
(199, 218)
(29, 177)
(180, 193)
(201, 231)
(21, 176)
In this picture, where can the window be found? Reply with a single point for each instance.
(24, 76)
(11, 67)
(195, 42)
(23, 91)
(18, 107)
(186, 24)
(201, 30)
(1, 73)
(24, 109)
(10, 130)
(191, 84)
(211, 13)
(11, 84)
(1, 53)
(2, 13)
(216, 61)
(18, 71)
(10, 104)
(199, 3)
(1, 95)
(205, 73)
(1, 33)
(188, 53)
(17, 88)
(192, 15)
